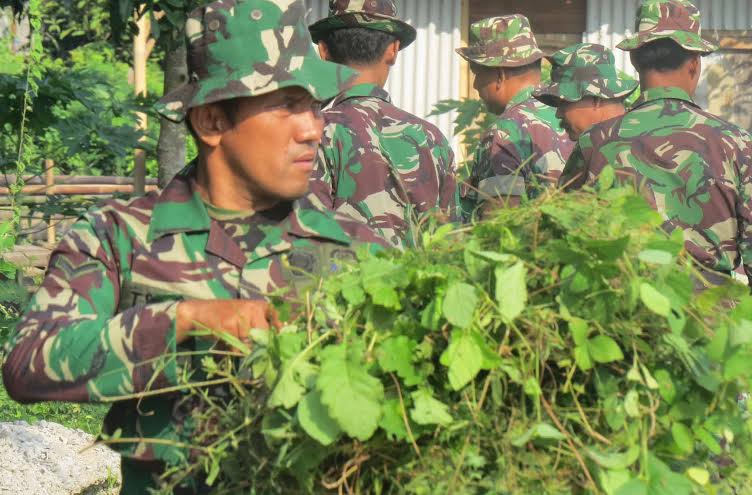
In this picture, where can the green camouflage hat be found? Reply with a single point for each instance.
(242, 48)
(678, 20)
(580, 70)
(506, 41)
(380, 15)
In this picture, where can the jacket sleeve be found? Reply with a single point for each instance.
(576, 172)
(744, 208)
(72, 343)
(503, 166)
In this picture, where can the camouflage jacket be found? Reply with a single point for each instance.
(524, 150)
(693, 167)
(382, 165)
(102, 324)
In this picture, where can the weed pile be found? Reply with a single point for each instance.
(560, 347)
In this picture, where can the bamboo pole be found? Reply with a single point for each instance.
(140, 54)
(78, 189)
(49, 176)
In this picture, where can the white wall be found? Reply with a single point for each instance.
(428, 70)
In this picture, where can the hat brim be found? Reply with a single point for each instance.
(473, 54)
(689, 41)
(556, 94)
(323, 80)
(403, 31)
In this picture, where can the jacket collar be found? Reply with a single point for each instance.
(662, 93)
(179, 209)
(362, 91)
(521, 97)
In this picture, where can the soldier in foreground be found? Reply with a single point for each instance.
(131, 280)
(693, 167)
(526, 149)
(378, 163)
(585, 87)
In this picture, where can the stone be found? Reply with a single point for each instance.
(49, 459)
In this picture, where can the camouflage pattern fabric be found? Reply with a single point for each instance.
(584, 69)
(380, 15)
(102, 324)
(693, 167)
(382, 165)
(240, 48)
(506, 41)
(678, 20)
(523, 152)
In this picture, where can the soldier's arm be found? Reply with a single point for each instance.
(506, 171)
(72, 344)
(576, 171)
(449, 193)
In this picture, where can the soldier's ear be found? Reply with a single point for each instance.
(209, 122)
(694, 66)
(390, 55)
(324, 51)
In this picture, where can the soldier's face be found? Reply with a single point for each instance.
(487, 83)
(273, 143)
(577, 117)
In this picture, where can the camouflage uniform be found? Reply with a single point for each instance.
(582, 70)
(526, 146)
(693, 167)
(102, 324)
(377, 162)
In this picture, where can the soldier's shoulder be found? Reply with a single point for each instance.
(132, 208)
(359, 232)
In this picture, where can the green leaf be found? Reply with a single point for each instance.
(395, 355)
(654, 300)
(511, 290)
(429, 411)
(352, 396)
(315, 419)
(541, 430)
(614, 460)
(683, 437)
(580, 330)
(582, 358)
(380, 280)
(633, 487)
(656, 257)
(463, 357)
(392, 421)
(606, 178)
(708, 439)
(604, 349)
(699, 475)
(738, 365)
(666, 386)
(663, 481)
(460, 302)
(632, 404)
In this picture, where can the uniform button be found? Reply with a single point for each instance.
(214, 24)
(256, 15)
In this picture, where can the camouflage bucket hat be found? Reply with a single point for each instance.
(380, 15)
(580, 70)
(678, 20)
(240, 48)
(506, 41)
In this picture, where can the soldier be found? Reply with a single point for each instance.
(378, 163)
(526, 148)
(132, 278)
(585, 87)
(693, 167)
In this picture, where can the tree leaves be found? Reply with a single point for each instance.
(315, 419)
(604, 349)
(511, 290)
(459, 306)
(352, 396)
(429, 411)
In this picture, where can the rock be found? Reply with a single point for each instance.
(49, 459)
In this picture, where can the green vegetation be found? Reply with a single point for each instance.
(558, 348)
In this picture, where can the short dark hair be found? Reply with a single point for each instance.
(509, 71)
(357, 45)
(661, 55)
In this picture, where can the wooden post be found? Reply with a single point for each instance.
(140, 55)
(49, 182)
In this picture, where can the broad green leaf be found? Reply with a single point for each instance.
(392, 422)
(633, 487)
(656, 257)
(666, 386)
(699, 475)
(708, 439)
(494, 257)
(429, 411)
(352, 396)
(663, 481)
(632, 404)
(579, 329)
(739, 364)
(291, 383)
(532, 388)
(459, 306)
(315, 419)
(683, 437)
(541, 430)
(582, 358)
(511, 290)
(604, 349)
(396, 355)
(650, 381)
(380, 280)
(463, 357)
(614, 460)
(606, 178)
(654, 300)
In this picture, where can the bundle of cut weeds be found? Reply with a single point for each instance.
(557, 348)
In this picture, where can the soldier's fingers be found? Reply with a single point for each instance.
(273, 317)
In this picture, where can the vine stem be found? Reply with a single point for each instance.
(571, 444)
(404, 415)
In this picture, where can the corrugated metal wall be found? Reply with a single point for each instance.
(428, 70)
(608, 21)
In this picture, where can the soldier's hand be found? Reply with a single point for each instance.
(233, 316)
